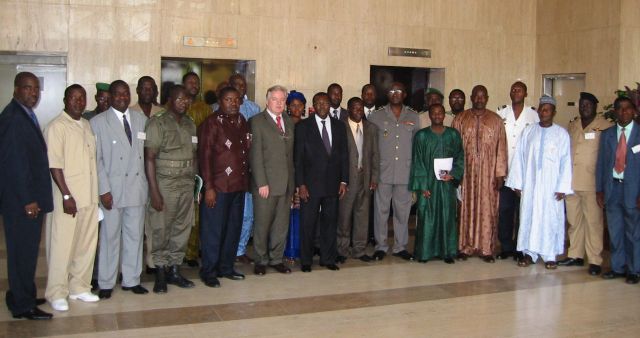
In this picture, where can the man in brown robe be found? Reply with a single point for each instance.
(485, 153)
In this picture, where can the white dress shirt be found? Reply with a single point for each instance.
(273, 116)
(327, 125)
(119, 115)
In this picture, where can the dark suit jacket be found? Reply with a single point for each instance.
(271, 154)
(370, 153)
(607, 159)
(319, 171)
(344, 114)
(24, 166)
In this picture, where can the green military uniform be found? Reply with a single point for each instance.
(175, 144)
(198, 111)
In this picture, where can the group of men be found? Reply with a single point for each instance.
(147, 170)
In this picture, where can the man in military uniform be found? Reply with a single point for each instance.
(516, 117)
(583, 214)
(198, 111)
(170, 164)
(396, 124)
(102, 101)
(431, 96)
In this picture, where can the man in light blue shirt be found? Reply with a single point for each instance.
(248, 109)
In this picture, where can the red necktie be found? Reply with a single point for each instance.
(279, 123)
(621, 153)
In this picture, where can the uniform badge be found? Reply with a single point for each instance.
(385, 133)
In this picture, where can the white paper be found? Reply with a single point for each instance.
(590, 136)
(194, 139)
(142, 135)
(440, 164)
(100, 214)
(636, 148)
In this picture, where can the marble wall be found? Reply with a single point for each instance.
(302, 44)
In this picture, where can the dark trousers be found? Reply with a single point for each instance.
(624, 232)
(220, 228)
(22, 237)
(508, 219)
(319, 212)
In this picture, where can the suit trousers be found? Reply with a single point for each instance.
(624, 231)
(319, 212)
(121, 235)
(353, 218)
(400, 196)
(22, 237)
(585, 226)
(508, 219)
(71, 249)
(219, 233)
(270, 229)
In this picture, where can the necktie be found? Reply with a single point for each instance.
(359, 145)
(34, 118)
(325, 138)
(127, 128)
(279, 123)
(335, 113)
(621, 153)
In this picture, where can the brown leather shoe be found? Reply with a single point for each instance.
(260, 270)
(244, 259)
(525, 261)
(281, 268)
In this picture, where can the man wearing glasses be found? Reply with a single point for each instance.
(396, 124)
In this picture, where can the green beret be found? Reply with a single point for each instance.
(433, 91)
(102, 87)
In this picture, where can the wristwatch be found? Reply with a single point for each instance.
(66, 197)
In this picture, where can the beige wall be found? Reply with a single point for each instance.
(302, 44)
(598, 37)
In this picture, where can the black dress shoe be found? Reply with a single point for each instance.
(138, 289)
(281, 268)
(234, 275)
(341, 259)
(449, 260)
(212, 282)
(462, 256)
(174, 277)
(505, 255)
(104, 293)
(305, 268)
(594, 270)
(612, 274)
(365, 258)
(379, 255)
(260, 269)
(192, 263)
(332, 267)
(488, 259)
(633, 278)
(404, 254)
(571, 262)
(34, 314)
(40, 301)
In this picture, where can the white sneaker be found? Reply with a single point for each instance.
(60, 304)
(85, 297)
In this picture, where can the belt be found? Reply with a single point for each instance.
(618, 180)
(174, 164)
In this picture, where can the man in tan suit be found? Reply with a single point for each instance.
(583, 214)
(272, 184)
(364, 159)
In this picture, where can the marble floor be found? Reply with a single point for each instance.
(391, 298)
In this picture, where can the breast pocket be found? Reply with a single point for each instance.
(171, 141)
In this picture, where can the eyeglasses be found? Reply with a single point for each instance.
(395, 91)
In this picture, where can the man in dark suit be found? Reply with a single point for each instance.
(321, 175)
(25, 194)
(272, 184)
(618, 190)
(364, 159)
(335, 99)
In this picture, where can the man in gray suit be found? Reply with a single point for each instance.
(272, 184)
(364, 159)
(396, 124)
(122, 185)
